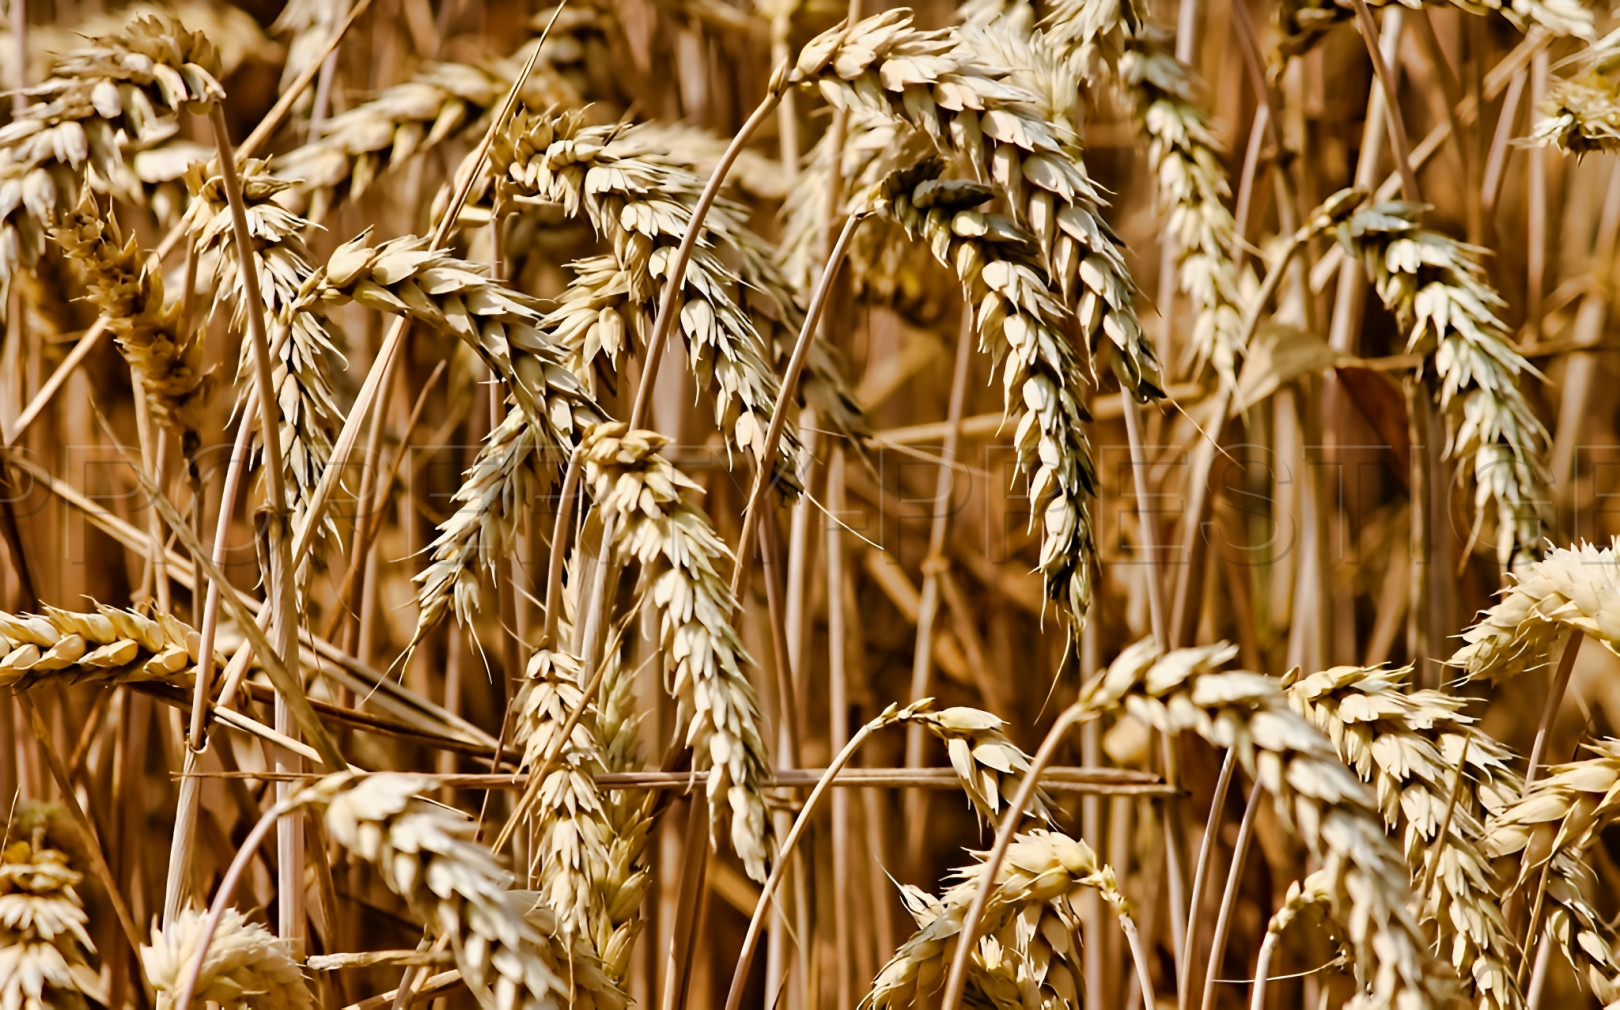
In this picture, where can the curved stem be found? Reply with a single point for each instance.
(956, 984)
(765, 466)
(1139, 958)
(1262, 971)
(1206, 854)
(1234, 877)
(751, 939)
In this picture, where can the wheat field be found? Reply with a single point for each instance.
(810, 506)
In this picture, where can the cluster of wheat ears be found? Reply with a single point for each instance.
(540, 508)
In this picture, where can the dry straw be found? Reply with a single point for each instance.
(246, 966)
(1304, 22)
(43, 941)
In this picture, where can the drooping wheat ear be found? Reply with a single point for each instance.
(306, 342)
(43, 941)
(573, 833)
(504, 940)
(246, 967)
(128, 289)
(642, 203)
(1571, 589)
(1021, 325)
(444, 102)
(1304, 22)
(990, 767)
(645, 498)
(108, 646)
(1408, 744)
(1545, 832)
(1327, 806)
(1031, 914)
(1581, 115)
(937, 83)
(120, 93)
(1437, 291)
(459, 299)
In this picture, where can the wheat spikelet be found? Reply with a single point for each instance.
(304, 352)
(128, 290)
(502, 939)
(938, 85)
(1326, 804)
(1571, 589)
(990, 767)
(443, 102)
(43, 941)
(121, 92)
(1546, 830)
(1404, 743)
(1304, 22)
(1021, 324)
(642, 203)
(1040, 879)
(108, 646)
(643, 496)
(247, 966)
(1437, 291)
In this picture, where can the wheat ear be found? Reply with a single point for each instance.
(1021, 325)
(1437, 290)
(643, 498)
(43, 941)
(107, 646)
(246, 966)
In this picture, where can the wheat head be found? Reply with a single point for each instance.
(107, 646)
(246, 967)
(43, 941)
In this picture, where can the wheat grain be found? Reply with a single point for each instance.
(427, 855)
(1327, 806)
(643, 497)
(1437, 290)
(1021, 324)
(108, 646)
(128, 290)
(43, 941)
(305, 350)
(1404, 743)
(121, 92)
(246, 966)
(1571, 589)
(937, 84)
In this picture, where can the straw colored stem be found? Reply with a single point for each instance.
(1234, 877)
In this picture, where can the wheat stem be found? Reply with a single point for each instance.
(1206, 858)
(1234, 877)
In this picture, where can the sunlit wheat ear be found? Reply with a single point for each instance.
(1322, 801)
(1031, 914)
(1438, 292)
(307, 341)
(246, 965)
(1407, 744)
(990, 767)
(936, 83)
(43, 941)
(504, 942)
(1304, 22)
(107, 647)
(1546, 831)
(128, 289)
(572, 836)
(124, 90)
(1571, 589)
(1021, 324)
(684, 566)
(642, 202)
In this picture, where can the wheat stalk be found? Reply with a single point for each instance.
(426, 854)
(127, 289)
(937, 84)
(1404, 743)
(1571, 589)
(43, 941)
(108, 646)
(1304, 22)
(307, 345)
(642, 498)
(246, 966)
(122, 92)
(1021, 324)
(1326, 805)
(1437, 290)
